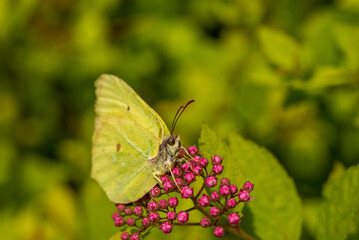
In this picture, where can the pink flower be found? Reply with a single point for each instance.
(187, 192)
(182, 217)
(218, 232)
(225, 181)
(155, 192)
(244, 196)
(211, 181)
(171, 216)
(130, 221)
(224, 190)
(189, 177)
(231, 203)
(205, 222)
(119, 221)
(215, 196)
(177, 172)
(173, 202)
(145, 222)
(153, 206)
(135, 236)
(165, 178)
(248, 186)
(115, 215)
(121, 207)
(163, 203)
(217, 169)
(168, 185)
(197, 169)
(154, 216)
(203, 162)
(217, 160)
(137, 211)
(204, 201)
(125, 236)
(234, 188)
(186, 167)
(166, 227)
(234, 219)
(128, 211)
(180, 182)
(192, 150)
(214, 211)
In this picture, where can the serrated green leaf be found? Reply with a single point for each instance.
(210, 144)
(277, 209)
(280, 48)
(340, 207)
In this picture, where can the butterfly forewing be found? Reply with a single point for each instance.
(127, 133)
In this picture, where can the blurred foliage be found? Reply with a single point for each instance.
(282, 73)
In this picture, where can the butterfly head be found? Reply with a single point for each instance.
(173, 144)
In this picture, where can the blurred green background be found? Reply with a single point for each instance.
(282, 73)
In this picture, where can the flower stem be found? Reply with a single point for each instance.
(238, 231)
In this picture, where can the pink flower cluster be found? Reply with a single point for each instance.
(160, 208)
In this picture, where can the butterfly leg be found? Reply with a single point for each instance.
(156, 176)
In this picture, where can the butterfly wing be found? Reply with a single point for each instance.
(127, 133)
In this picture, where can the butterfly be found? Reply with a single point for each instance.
(131, 145)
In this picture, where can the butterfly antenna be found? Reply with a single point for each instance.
(178, 115)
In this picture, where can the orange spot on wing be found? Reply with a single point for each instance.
(118, 147)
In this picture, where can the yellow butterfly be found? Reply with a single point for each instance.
(131, 146)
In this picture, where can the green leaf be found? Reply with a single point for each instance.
(340, 207)
(277, 210)
(280, 48)
(210, 144)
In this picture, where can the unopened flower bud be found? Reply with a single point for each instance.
(218, 232)
(177, 172)
(244, 196)
(125, 236)
(165, 178)
(166, 227)
(234, 188)
(145, 222)
(225, 190)
(163, 203)
(115, 215)
(211, 181)
(248, 186)
(186, 167)
(136, 236)
(168, 185)
(197, 169)
(187, 192)
(173, 202)
(171, 216)
(204, 201)
(203, 162)
(189, 177)
(205, 222)
(130, 221)
(217, 169)
(225, 181)
(137, 211)
(128, 211)
(214, 211)
(182, 217)
(156, 191)
(154, 216)
(231, 203)
(153, 206)
(121, 207)
(192, 150)
(215, 196)
(217, 160)
(119, 221)
(234, 219)
(180, 182)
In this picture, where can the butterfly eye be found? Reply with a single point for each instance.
(171, 141)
